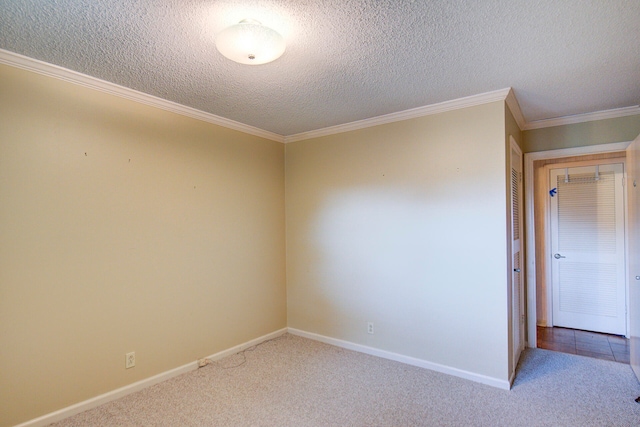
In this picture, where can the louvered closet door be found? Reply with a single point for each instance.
(517, 288)
(587, 259)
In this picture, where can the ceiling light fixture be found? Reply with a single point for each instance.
(250, 42)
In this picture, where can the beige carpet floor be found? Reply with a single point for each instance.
(293, 381)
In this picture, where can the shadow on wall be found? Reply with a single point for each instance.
(395, 258)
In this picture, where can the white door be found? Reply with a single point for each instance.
(633, 199)
(587, 241)
(517, 286)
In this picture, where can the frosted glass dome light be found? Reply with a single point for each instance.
(249, 42)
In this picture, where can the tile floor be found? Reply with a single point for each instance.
(592, 344)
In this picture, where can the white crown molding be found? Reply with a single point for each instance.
(514, 107)
(456, 104)
(507, 95)
(582, 118)
(50, 70)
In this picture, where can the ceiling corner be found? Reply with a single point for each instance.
(514, 107)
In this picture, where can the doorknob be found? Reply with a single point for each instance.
(558, 256)
(517, 270)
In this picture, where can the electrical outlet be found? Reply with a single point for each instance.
(370, 328)
(130, 360)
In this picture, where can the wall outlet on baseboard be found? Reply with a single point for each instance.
(130, 360)
(370, 328)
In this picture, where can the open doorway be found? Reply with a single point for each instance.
(584, 287)
(539, 304)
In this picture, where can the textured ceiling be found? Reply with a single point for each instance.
(346, 60)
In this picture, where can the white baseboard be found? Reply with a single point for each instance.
(137, 386)
(502, 384)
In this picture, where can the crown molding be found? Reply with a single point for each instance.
(469, 101)
(514, 107)
(50, 70)
(507, 95)
(582, 118)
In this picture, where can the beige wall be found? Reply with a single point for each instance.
(126, 228)
(621, 129)
(403, 225)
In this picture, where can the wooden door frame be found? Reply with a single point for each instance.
(529, 200)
